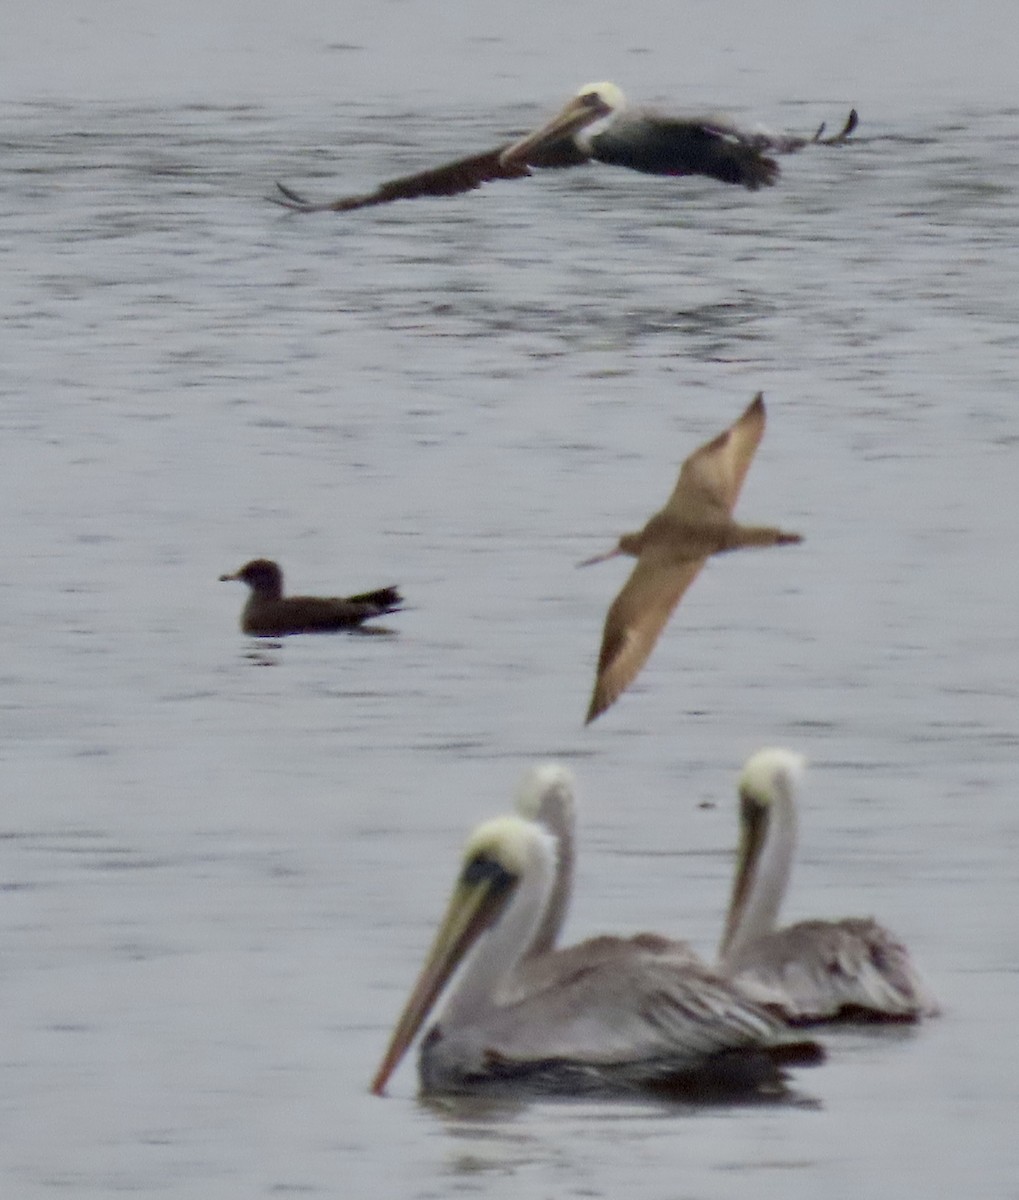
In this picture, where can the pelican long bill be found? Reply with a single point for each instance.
(480, 895)
(576, 114)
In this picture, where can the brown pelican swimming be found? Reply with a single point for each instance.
(852, 969)
(546, 796)
(596, 125)
(607, 1015)
(268, 613)
(673, 546)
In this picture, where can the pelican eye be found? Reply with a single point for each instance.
(483, 869)
(591, 99)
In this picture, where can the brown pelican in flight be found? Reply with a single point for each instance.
(813, 971)
(673, 546)
(609, 1015)
(268, 613)
(596, 125)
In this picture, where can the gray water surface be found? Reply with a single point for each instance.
(223, 859)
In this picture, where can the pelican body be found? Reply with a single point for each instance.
(813, 971)
(672, 548)
(609, 1015)
(268, 613)
(596, 125)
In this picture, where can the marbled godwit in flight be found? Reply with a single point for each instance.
(672, 547)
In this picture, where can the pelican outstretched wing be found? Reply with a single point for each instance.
(462, 175)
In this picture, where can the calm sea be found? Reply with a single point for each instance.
(223, 860)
